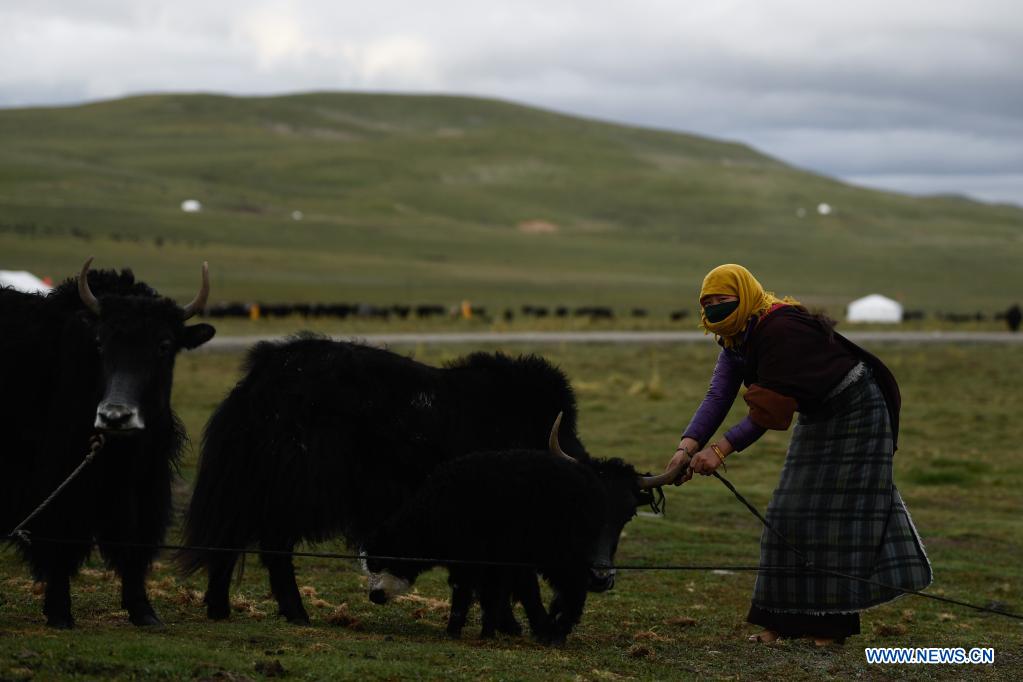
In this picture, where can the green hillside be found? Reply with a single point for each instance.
(421, 198)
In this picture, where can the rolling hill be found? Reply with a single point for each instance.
(434, 198)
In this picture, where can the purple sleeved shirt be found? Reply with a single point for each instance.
(724, 387)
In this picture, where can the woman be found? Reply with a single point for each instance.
(836, 502)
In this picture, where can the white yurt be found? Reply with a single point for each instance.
(23, 281)
(874, 308)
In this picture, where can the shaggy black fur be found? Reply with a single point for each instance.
(56, 358)
(322, 438)
(524, 507)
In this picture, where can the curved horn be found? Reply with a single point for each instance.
(199, 302)
(84, 292)
(552, 443)
(647, 482)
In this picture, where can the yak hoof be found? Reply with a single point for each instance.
(218, 613)
(302, 620)
(510, 627)
(146, 619)
(454, 633)
(60, 622)
(217, 607)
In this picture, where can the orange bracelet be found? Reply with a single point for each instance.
(717, 451)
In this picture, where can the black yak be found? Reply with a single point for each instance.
(529, 510)
(96, 355)
(324, 438)
(1013, 316)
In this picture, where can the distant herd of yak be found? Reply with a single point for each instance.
(236, 309)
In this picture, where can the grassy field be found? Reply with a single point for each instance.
(960, 469)
(430, 199)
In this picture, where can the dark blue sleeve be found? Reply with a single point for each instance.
(744, 434)
(724, 387)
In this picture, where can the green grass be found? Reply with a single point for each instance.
(960, 469)
(419, 198)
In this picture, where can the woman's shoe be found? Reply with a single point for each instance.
(828, 641)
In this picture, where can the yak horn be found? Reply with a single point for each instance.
(199, 302)
(84, 292)
(552, 442)
(647, 482)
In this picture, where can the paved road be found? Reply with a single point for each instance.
(237, 343)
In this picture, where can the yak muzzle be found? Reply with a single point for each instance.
(383, 587)
(115, 417)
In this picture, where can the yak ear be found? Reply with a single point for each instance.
(197, 335)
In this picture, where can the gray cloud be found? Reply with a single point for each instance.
(870, 91)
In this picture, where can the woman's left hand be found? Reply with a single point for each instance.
(705, 462)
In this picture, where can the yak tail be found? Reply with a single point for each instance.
(240, 573)
(217, 516)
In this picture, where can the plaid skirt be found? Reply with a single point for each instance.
(837, 504)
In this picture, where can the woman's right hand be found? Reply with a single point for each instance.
(705, 462)
(686, 448)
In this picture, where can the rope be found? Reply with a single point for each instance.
(510, 564)
(838, 574)
(768, 526)
(383, 557)
(19, 533)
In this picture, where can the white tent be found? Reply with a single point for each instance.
(23, 281)
(874, 308)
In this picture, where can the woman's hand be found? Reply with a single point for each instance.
(707, 461)
(686, 447)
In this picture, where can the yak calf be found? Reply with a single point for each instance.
(495, 519)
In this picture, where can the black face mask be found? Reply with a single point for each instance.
(719, 311)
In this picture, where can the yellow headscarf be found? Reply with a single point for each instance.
(735, 280)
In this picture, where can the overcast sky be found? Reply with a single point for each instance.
(920, 96)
